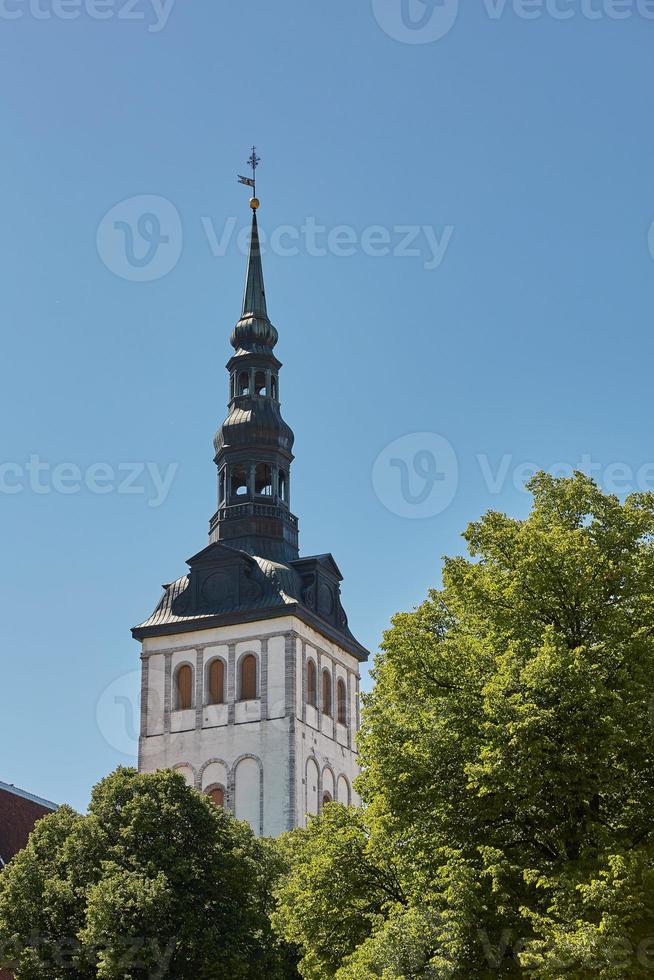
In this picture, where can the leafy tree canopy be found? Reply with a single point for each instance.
(154, 882)
(508, 766)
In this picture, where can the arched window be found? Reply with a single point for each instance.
(184, 688)
(244, 383)
(217, 795)
(283, 486)
(263, 480)
(187, 772)
(216, 682)
(312, 780)
(248, 678)
(221, 486)
(239, 481)
(311, 683)
(342, 702)
(343, 791)
(260, 383)
(326, 693)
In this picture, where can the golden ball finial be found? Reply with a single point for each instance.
(254, 203)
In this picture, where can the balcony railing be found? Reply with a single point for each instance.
(251, 509)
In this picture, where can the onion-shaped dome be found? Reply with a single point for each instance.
(254, 333)
(258, 424)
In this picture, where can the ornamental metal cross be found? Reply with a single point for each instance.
(253, 162)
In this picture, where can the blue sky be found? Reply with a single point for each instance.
(511, 157)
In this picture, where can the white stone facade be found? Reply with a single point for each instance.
(275, 756)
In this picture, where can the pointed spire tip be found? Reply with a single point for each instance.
(254, 299)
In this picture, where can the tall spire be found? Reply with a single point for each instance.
(254, 331)
(254, 298)
(254, 445)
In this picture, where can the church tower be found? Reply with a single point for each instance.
(250, 674)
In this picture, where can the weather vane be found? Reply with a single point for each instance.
(253, 162)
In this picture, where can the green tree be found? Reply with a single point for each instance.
(508, 765)
(154, 882)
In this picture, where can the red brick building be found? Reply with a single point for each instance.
(19, 811)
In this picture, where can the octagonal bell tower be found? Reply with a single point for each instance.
(254, 446)
(250, 674)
